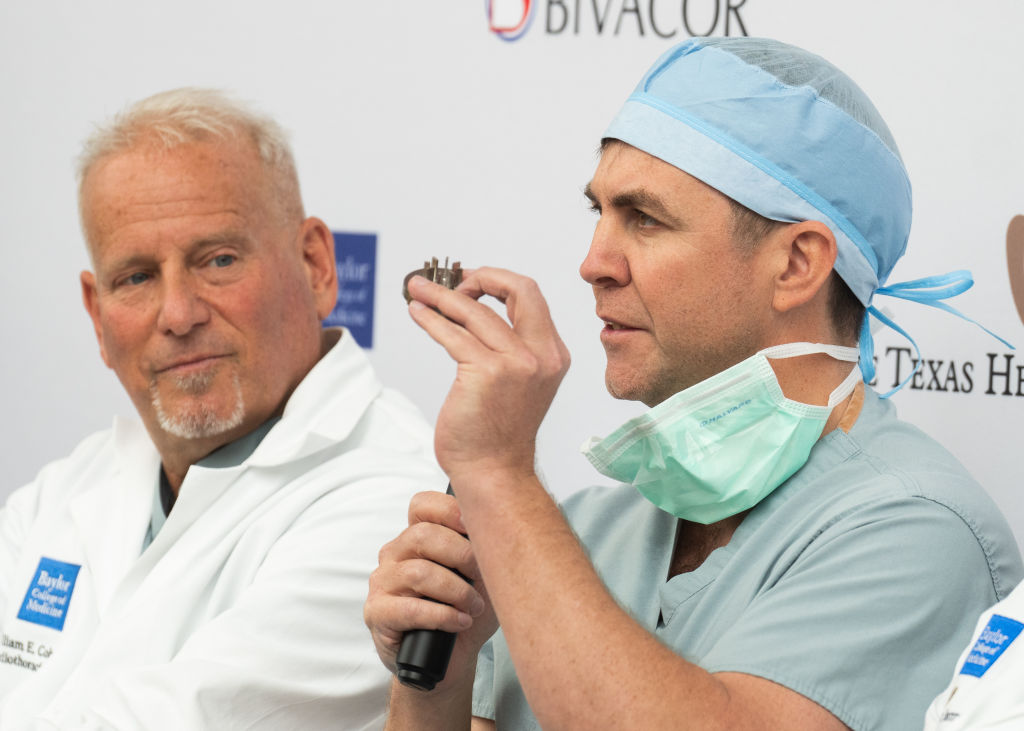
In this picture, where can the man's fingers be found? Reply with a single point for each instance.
(423, 579)
(412, 613)
(436, 507)
(544, 356)
(414, 587)
(433, 543)
(450, 334)
(424, 558)
(532, 335)
(466, 322)
(526, 306)
(390, 617)
(507, 374)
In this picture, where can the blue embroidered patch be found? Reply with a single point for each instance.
(49, 594)
(998, 634)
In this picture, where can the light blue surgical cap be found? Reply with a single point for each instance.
(788, 135)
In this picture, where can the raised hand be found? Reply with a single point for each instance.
(508, 372)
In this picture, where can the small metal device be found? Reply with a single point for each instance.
(449, 277)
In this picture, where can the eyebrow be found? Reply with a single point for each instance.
(640, 198)
(218, 239)
(194, 248)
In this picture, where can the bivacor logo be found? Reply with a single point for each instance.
(1015, 261)
(511, 19)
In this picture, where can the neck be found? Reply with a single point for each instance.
(176, 462)
(846, 411)
(696, 541)
(811, 378)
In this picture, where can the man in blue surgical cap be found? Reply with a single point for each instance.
(785, 552)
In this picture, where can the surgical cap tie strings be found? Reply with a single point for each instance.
(929, 291)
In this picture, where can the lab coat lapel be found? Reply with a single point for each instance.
(344, 378)
(111, 519)
(200, 490)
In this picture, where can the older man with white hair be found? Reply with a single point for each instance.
(206, 568)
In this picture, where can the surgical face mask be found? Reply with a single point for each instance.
(720, 447)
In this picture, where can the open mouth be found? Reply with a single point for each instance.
(616, 326)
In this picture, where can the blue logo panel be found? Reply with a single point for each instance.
(49, 594)
(356, 256)
(999, 633)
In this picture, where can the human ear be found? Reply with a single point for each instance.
(807, 256)
(90, 298)
(317, 243)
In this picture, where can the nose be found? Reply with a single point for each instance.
(605, 264)
(182, 308)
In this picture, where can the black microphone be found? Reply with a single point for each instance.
(424, 653)
(423, 657)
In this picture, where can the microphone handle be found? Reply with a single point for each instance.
(423, 657)
(424, 654)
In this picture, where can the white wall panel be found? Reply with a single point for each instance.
(413, 121)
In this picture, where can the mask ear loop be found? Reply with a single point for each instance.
(845, 388)
(838, 352)
(795, 350)
(926, 291)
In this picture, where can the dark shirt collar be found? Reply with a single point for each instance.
(231, 454)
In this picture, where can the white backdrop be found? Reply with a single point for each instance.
(414, 121)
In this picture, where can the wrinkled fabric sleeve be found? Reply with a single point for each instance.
(483, 685)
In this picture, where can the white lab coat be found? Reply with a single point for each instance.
(990, 696)
(246, 610)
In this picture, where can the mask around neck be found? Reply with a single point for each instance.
(721, 446)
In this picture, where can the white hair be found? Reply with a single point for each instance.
(197, 420)
(188, 115)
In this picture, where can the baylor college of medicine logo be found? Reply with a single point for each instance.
(510, 19)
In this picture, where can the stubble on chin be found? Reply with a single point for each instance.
(649, 387)
(195, 418)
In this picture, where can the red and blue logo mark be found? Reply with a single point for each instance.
(510, 19)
